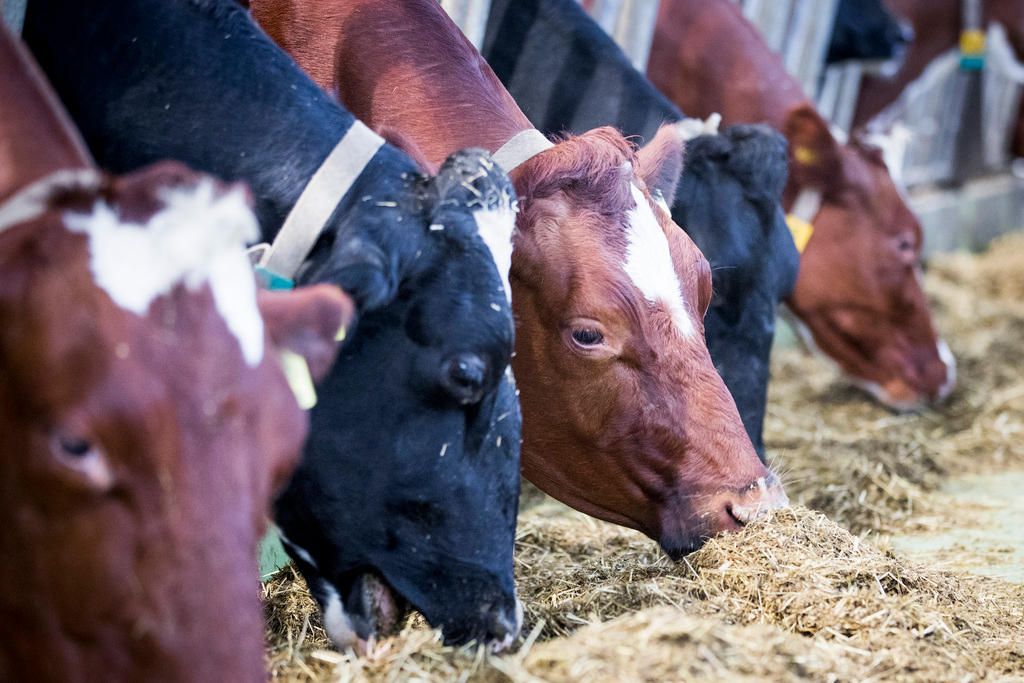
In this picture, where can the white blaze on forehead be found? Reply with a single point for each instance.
(649, 262)
(495, 226)
(196, 238)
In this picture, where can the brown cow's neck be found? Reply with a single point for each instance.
(699, 45)
(36, 134)
(398, 64)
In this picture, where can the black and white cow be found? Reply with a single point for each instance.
(566, 74)
(411, 472)
(865, 29)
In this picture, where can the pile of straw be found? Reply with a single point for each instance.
(792, 597)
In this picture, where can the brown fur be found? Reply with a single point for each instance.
(640, 431)
(131, 556)
(707, 58)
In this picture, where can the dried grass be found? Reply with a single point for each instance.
(792, 597)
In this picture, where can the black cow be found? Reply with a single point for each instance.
(864, 29)
(411, 472)
(567, 74)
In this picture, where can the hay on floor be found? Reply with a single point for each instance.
(792, 597)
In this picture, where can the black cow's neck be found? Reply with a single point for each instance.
(194, 80)
(585, 79)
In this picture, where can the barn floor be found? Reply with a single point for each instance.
(813, 593)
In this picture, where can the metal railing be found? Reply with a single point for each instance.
(931, 114)
(1002, 85)
(799, 31)
(630, 23)
(470, 16)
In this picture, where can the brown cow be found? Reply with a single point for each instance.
(858, 292)
(624, 416)
(936, 25)
(144, 422)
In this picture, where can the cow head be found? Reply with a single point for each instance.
(858, 297)
(144, 423)
(624, 416)
(865, 29)
(408, 488)
(728, 203)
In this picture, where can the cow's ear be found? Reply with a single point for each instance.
(308, 321)
(813, 151)
(660, 161)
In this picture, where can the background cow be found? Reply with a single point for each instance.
(857, 296)
(144, 418)
(728, 197)
(937, 26)
(865, 29)
(624, 416)
(411, 473)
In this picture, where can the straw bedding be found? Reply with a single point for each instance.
(796, 596)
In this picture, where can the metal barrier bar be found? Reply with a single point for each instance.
(14, 14)
(807, 41)
(630, 23)
(771, 17)
(471, 17)
(837, 100)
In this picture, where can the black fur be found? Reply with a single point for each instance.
(864, 29)
(729, 192)
(196, 80)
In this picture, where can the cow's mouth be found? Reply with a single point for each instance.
(375, 608)
(371, 607)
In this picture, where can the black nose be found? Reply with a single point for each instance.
(503, 626)
(463, 376)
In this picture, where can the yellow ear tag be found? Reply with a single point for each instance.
(801, 231)
(972, 42)
(342, 332)
(296, 371)
(805, 156)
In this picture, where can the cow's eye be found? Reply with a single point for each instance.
(587, 336)
(73, 446)
(81, 460)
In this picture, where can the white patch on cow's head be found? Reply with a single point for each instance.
(649, 262)
(336, 621)
(496, 225)
(196, 238)
(296, 550)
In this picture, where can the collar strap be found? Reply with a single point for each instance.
(801, 219)
(32, 201)
(522, 147)
(315, 206)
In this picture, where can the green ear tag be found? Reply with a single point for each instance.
(296, 371)
(270, 280)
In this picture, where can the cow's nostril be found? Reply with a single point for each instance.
(464, 376)
(503, 626)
